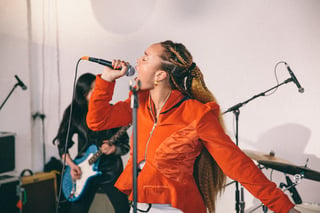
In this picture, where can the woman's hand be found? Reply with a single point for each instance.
(107, 149)
(75, 172)
(119, 69)
(293, 210)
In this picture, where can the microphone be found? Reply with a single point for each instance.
(20, 83)
(129, 72)
(294, 79)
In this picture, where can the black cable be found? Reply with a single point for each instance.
(67, 136)
(275, 74)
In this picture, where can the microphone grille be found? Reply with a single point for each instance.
(131, 71)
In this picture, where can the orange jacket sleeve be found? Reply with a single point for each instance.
(103, 115)
(239, 166)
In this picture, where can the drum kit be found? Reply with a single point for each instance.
(299, 173)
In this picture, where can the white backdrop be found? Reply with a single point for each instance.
(235, 43)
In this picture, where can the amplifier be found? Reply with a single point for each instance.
(8, 194)
(7, 152)
(38, 193)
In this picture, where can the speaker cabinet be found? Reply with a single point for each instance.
(38, 193)
(8, 194)
(7, 152)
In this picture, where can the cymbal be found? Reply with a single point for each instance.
(255, 155)
(292, 169)
(270, 161)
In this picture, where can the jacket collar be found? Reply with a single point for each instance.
(174, 100)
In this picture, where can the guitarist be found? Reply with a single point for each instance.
(110, 163)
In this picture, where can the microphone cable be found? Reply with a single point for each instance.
(67, 137)
(276, 76)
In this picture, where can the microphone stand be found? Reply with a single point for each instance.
(134, 106)
(239, 196)
(5, 100)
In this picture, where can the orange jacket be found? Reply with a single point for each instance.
(170, 146)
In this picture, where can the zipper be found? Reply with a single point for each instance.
(151, 132)
(155, 120)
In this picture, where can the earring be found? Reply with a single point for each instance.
(155, 83)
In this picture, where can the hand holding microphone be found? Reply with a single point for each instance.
(114, 69)
(119, 68)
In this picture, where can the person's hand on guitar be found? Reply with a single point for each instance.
(107, 149)
(75, 172)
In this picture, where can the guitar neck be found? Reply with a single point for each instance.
(111, 141)
(95, 157)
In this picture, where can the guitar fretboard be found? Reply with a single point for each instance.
(95, 157)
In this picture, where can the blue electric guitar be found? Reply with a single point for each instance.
(73, 189)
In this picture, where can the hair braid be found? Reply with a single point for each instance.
(186, 77)
(177, 62)
(211, 179)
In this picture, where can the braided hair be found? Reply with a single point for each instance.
(185, 76)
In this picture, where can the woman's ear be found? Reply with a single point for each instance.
(161, 75)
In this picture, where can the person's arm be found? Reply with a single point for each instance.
(61, 138)
(101, 115)
(62, 148)
(238, 166)
(75, 170)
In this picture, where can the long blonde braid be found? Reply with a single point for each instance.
(186, 77)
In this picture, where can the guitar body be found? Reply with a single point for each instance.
(73, 190)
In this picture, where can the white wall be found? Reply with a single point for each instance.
(235, 43)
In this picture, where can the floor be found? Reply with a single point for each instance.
(101, 204)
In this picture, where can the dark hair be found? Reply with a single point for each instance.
(83, 87)
(79, 108)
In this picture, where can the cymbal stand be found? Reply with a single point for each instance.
(239, 195)
(292, 189)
